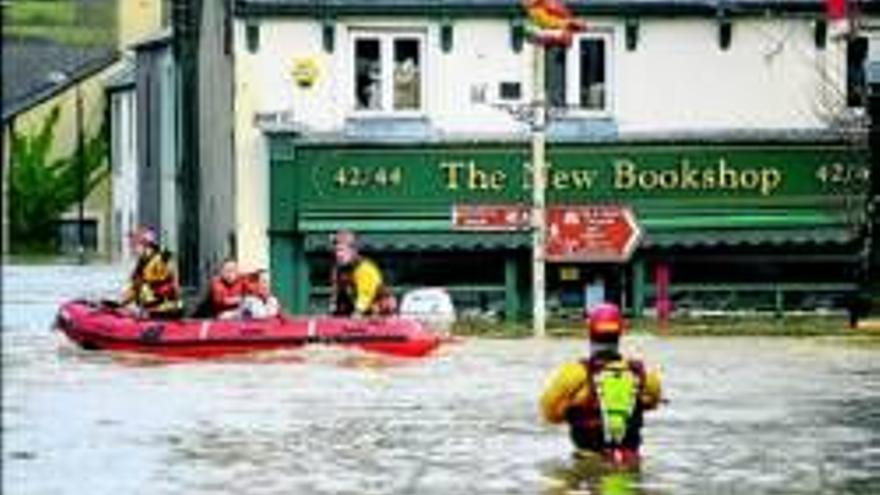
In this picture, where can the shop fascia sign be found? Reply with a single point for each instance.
(625, 174)
(501, 177)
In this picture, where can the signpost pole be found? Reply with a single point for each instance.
(539, 217)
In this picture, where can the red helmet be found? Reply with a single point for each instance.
(605, 322)
(145, 236)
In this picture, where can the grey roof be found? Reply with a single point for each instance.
(510, 6)
(36, 69)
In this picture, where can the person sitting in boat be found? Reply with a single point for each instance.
(258, 301)
(153, 285)
(227, 291)
(235, 295)
(603, 397)
(358, 287)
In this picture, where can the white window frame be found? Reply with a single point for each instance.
(386, 37)
(573, 74)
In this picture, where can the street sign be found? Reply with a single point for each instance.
(591, 233)
(601, 233)
(501, 218)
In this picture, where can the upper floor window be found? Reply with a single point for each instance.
(578, 77)
(388, 71)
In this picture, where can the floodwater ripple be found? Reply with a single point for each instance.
(745, 415)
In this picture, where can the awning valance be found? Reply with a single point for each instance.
(749, 237)
(428, 241)
(661, 229)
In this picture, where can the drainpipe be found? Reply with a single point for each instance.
(872, 74)
(186, 19)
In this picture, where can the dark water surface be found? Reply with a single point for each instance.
(775, 415)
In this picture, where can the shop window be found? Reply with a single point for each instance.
(577, 78)
(388, 72)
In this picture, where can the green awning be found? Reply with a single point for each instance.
(748, 237)
(732, 218)
(428, 241)
(664, 229)
(467, 241)
(479, 241)
(364, 225)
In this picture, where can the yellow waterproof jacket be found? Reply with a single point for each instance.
(367, 280)
(569, 386)
(153, 285)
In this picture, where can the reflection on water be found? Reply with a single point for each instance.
(591, 476)
(745, 415)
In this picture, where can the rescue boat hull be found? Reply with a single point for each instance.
(93, 326)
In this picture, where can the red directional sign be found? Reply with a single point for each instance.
(490, 217)
(605, 233)
(591, 233)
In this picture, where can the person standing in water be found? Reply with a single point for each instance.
(603, 397)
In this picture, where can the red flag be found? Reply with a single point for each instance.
(836, 9)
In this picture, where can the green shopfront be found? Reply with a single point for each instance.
(734, 226)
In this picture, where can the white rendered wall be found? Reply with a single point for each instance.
(772, 76)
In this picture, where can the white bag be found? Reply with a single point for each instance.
(430, 306)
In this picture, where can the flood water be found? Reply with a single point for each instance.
(745, 415)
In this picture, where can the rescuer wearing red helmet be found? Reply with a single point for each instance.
(603, 397)
(153, 285)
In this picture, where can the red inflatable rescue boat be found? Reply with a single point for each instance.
(94, 326)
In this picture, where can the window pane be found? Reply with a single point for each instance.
(367, 74)
(554, 73)
(407, 74)
(592, 87)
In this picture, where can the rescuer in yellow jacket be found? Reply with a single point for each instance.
(358, 286)
(603, 397)
(153, 286)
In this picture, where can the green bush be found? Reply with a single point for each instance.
(41, 190)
